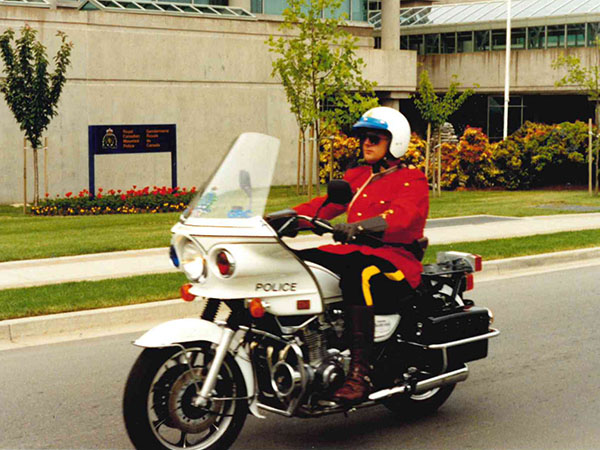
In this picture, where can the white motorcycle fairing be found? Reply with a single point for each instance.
(264, 267)
(178, 331)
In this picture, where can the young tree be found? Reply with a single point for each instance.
(586, 80)
(29, 90)
(320, 71)
(436, 110)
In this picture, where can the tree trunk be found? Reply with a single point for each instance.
(300, 139)
(311, 164)
(24, 175)
(331, 142)
(439, 168)
(318, 157)
(427, 151)
(590, 157)
(45, 166)
(36, 178)
(303, 190)
(597, 147)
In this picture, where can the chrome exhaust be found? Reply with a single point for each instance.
(444, 379)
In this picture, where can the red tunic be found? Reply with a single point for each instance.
(400, 196)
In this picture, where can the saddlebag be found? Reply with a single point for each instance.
(437, 334)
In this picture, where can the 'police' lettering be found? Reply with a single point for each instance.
(276, 287)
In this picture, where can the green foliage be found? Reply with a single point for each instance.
(541, 155)
(346, 150)
(29, 90)
(318, 67)
(469, 163)
(435, 109)
(133, 201)
(536, 155)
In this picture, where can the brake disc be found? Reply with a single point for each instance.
(182, 411)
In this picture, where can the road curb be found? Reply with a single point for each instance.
(91, 321)
(503, 266)
(15, 331)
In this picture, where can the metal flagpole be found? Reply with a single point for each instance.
(507, 72)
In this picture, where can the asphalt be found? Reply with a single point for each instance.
(137, 262)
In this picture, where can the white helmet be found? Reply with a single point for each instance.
(390, 120)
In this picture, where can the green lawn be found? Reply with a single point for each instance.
(28, 237)
(25, 302)
(66, 297)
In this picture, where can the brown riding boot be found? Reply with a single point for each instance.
(357, 386)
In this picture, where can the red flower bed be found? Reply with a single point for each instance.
(132, 201)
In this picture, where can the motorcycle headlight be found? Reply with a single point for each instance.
(193, 262)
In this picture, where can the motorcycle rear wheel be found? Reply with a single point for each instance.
(157, 405)
(418, 405)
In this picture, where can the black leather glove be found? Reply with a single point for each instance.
(347, 232)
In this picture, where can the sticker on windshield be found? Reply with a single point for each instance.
(206, 202)
(238, 212)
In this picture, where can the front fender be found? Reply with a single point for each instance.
(179, 331)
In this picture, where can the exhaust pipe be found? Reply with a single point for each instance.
(444, 379)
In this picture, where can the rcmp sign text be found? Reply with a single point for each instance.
(114, 139)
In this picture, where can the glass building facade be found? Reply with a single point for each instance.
(481, 26)
(355, 10)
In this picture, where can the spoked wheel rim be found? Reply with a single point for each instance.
(176, 421)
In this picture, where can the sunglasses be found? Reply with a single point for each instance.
(374, 138)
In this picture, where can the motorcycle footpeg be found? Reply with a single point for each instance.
(328, 403)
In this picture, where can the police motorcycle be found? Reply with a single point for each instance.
(270, 333)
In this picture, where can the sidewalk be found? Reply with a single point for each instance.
(85, 324)
(138, 262)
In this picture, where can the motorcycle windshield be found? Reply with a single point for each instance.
(240, 186)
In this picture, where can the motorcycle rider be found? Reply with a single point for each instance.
(391, 201)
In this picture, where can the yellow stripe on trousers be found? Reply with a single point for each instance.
(370, 272)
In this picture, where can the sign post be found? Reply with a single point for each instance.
(131, 139)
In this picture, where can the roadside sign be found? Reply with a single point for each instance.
(131, 139)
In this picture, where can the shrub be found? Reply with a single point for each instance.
(346, 150)
(541, 155)
(415, 155)
(133, 201)
(468, 163)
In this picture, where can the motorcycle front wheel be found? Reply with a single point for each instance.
(159, 408)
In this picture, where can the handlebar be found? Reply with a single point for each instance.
(325, 227)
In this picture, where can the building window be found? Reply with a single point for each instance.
(256, 6)
(416, 42)
(496, 115)
(482, 41)
(359, 10)
(449, 43)
(576, 35)
(498, 39)
(517, 38)
(593, 32)
(403, 42)
(536, 37)
(465, 42)
(432, 44)
(556, 36)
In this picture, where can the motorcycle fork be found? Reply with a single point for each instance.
(211, 378)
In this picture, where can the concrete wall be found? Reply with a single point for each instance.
(211, 77)
(531, 70)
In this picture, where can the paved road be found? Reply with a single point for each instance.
(538, 389)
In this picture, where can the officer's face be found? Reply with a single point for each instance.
(374, 146)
